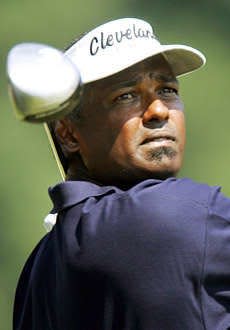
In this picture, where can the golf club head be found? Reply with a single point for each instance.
(44, 84)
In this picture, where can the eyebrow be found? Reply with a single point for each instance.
(159, 77)
(163, 78)
(127, 83)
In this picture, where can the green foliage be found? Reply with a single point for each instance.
(27, 167)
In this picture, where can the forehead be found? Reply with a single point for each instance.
(157, 66)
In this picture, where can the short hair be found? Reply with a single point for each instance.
(75, 114)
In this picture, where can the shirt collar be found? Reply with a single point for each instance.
(68, 193)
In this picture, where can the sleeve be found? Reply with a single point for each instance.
(217, 260)
(104, 231)
(120, 238)
(145, 239)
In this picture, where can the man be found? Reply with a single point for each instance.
(133, 247)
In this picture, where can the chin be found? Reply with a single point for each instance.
(163, 162)
(165, 170)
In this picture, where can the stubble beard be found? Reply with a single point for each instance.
(158, 154)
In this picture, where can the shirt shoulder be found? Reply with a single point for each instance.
(151, 201)
(178, 190)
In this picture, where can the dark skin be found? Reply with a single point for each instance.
(131, 127)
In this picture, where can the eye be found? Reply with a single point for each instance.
(168, 91)
(126, 97)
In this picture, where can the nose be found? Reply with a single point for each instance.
(157, 111)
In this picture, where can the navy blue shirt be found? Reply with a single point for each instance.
(153, 257)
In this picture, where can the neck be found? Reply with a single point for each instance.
(77, 171)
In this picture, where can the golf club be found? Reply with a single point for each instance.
(43, 85)
(43, 82)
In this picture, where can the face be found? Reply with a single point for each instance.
(132, 125)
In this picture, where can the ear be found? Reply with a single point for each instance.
(65, 134)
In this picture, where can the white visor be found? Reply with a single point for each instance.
(117, 45)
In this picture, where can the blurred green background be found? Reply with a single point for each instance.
(27, 167)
